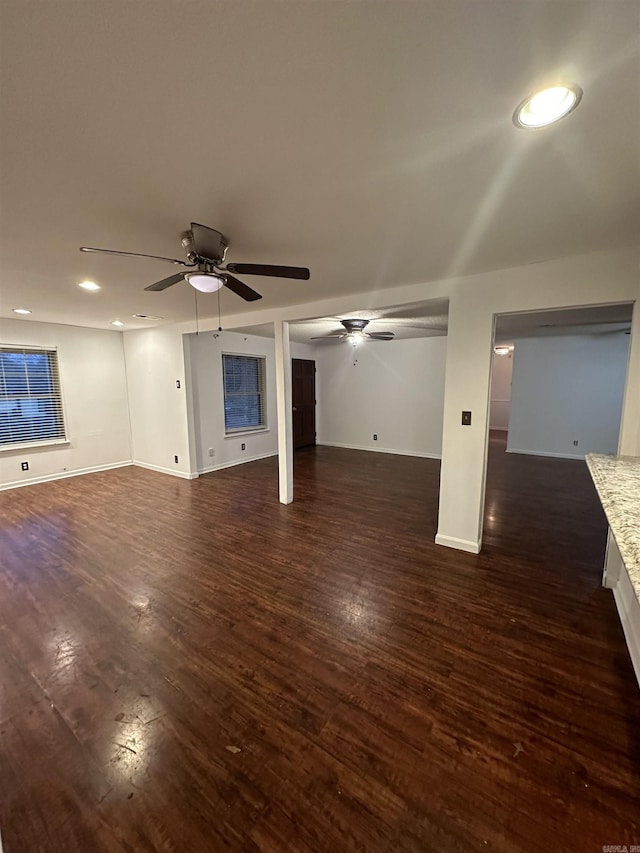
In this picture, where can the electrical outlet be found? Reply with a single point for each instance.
(178, 384)
(575, 442)
(375, 436)
(175, 459)
(243, 447)
(25, 466)
(466, 419)
(212, 452)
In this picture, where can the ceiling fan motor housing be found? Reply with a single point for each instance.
(355, 325)
(206, 245)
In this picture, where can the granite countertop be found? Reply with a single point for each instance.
(617, 481)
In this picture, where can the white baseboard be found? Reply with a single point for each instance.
(235, 462)
(381, 450)
(162, 470)
(629, 612)
(541, 453)
(62, 475)
(460, 544)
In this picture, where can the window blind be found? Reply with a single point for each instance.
(244, 395)
(30, 396)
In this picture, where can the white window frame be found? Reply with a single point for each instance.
(246, 430)
(57, 395)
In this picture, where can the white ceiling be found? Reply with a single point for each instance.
(371, 141)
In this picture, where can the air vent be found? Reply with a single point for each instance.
(146, 317)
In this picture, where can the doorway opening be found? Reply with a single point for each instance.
(557, 396)
(500, 400)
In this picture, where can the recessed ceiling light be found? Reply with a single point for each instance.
(547, 106)
(117, 323)
(21, 311)
(146, 317)
(88, 285)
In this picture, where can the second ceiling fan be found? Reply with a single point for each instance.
(205, 250)
(354, 332)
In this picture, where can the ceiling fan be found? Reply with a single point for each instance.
(354, 332)
(205, 250)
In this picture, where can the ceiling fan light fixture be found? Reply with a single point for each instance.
(356, 337)
(547, 106)
(205, 282)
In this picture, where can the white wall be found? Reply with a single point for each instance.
(392, 389)
(630, 427)
(308, 351)
(158, 409)
(568, 389)
(206, 352)
(500, 406)
(92, 376)
(205, 381)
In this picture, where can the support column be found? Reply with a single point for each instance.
(285, 412)
(464, 448)
(189, 385)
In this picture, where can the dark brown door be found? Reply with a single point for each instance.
(303, 380)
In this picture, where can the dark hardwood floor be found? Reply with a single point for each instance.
(191, 666)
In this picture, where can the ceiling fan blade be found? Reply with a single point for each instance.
(166, 282)
(381, 336)
(134, 255)
(240, 288)
(301, 273)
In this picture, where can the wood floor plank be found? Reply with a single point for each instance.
(190, 665)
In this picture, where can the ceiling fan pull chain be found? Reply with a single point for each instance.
(219, 321)
(195, 296)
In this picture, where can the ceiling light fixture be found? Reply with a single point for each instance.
(205, 282)
(146, 317)
(88, 285)
(502, 350)
(21, 311)
(356, 337)
(547, 106)
(117, 323)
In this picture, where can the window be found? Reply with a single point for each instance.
(30, 398)
(244, 403)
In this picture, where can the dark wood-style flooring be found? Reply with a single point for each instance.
(191, 666)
